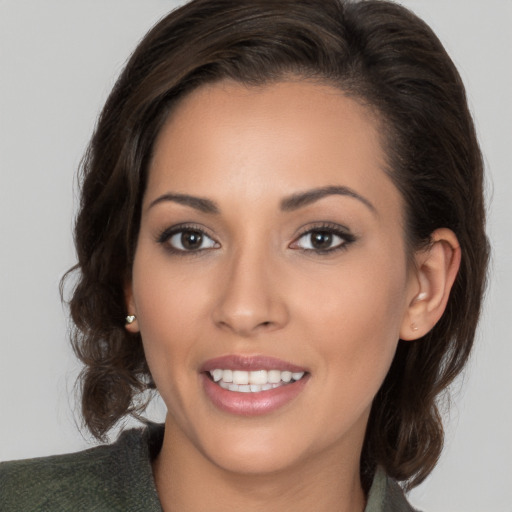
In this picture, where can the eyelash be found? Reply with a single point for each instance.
(166, 235)
(329, 229)
(326, 228)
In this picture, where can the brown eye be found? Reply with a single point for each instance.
(191, 240)
(323, 240)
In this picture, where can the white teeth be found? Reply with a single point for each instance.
(274, 376)
(253, 381)
(240, 377)
(217, 374)
(247, 388)
(286, 376)
(258, 377)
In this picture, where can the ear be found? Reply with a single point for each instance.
(131, 310)
(435, 272)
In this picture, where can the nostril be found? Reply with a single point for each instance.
(265, 325)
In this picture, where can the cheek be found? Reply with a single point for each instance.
(165, 293)
(167, 305)
(355, 318)
(364, 293)
(357, 342)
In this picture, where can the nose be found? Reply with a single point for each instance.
(250, 299)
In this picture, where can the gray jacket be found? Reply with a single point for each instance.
(118, 477)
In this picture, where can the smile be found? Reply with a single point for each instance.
(253, 381)
(252, 385)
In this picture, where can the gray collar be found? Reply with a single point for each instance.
(386, 495)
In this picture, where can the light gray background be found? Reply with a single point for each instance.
(58, 61)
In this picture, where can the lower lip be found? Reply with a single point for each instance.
(252, 404)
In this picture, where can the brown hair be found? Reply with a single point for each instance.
(375, 51)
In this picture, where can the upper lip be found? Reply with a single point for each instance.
(248, 363)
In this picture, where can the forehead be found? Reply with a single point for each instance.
(280, 136)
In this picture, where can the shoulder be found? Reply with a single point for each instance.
(109, 477)
(386, 495)
(58, 482)
(395, 499)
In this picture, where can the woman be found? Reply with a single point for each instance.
(282, 230)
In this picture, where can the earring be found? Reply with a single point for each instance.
(130, 319)
(421, 296)
(414, 327)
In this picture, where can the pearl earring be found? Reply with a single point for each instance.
(130, 319)
(421, 296)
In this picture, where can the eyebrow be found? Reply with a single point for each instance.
(199, 203)
(288, 204)
(302, 199)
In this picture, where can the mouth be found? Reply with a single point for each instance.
(255, 381)
(252, 385)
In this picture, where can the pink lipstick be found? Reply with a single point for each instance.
(252, 385)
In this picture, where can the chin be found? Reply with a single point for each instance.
(251, 462)
(253, 451)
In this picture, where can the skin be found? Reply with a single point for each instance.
(256, 287)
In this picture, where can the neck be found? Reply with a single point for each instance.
(188, 481)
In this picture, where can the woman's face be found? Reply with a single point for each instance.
(270, 256)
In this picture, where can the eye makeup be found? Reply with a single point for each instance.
(186, 239)
(323, 238)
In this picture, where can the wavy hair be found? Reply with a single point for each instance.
(380, 54)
